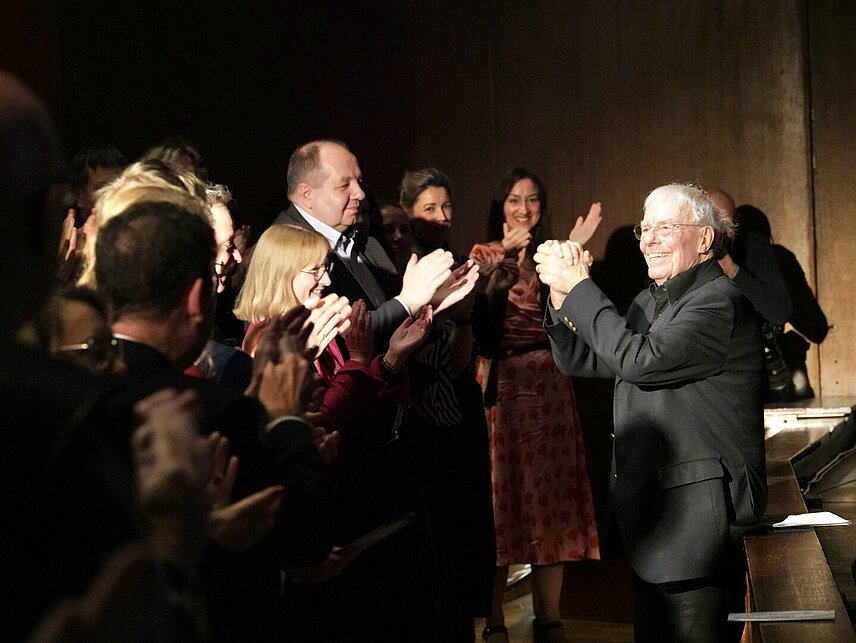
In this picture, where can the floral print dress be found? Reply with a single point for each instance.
(541, 492)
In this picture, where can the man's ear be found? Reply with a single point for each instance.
(196, 300)
(706, 240)
(305, 193)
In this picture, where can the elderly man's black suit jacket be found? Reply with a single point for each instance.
(688, 459)
(387, 315)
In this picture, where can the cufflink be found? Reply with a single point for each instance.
(569, 323)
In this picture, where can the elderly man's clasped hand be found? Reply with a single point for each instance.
(561, 265)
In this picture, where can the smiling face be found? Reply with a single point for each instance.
(685, 247)
(336, 201)
(522, 207)
(305, 285)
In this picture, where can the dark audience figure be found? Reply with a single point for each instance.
(749, 261)
(75, 326)
(221, 360)
(90, 170)
(622, 272)
(74, 496)
(180, 152)
(448, 424)
(808, 321)
(154, 264)
(398, 235)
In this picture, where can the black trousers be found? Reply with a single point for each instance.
(692, 611)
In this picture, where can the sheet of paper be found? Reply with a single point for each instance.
(812, 519)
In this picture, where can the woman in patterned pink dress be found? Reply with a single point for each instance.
(542, 497)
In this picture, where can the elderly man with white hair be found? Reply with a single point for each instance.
(688, 473)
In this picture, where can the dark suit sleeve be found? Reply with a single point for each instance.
(385, 319)
(687, 345)
(303, 528)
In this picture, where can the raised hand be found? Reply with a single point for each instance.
(407, 338)
(172, 471)
(332, 318)
(459, 284)
(422, 277)
(224, 471)
(70, 252)
(584, 228)
(240, 525)
(561, 265)
(286, 386)
(172, 461)
(359, 338)
(326, 443)
(285, 334)
(514, 239)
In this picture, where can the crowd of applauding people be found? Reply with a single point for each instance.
(343, 431)
(281, 440)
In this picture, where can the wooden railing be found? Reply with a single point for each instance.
(787, 568)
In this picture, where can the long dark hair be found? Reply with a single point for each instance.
(496, 217)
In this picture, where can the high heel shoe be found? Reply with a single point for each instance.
(552, 632)
(495, 630)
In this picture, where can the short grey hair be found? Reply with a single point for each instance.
(687, 199)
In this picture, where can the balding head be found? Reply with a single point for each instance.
(722, 200)
(30, 205)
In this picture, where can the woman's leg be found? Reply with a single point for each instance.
(546, 592)
(497, 618)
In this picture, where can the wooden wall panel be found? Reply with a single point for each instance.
(607, 100)
(833, 83)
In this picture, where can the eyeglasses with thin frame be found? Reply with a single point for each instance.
(318, 272)
(99, 351)
(662, 230)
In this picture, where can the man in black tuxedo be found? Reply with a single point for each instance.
(688, 474)
(154, 266)
(324, 188)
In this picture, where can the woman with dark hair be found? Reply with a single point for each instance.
(542, 496)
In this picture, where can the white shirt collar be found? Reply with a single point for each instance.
(331, 234)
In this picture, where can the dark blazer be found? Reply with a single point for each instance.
(68, 484)
(243, 589)
(387, 315)
(688, 458)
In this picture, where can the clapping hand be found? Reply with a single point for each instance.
(359, 339)
(459, 284)
(422, 277)
(561, 265)
(172, 470)
(514, 239)
(70, 252)
(584, 228)
(332, 318)
(407, 338)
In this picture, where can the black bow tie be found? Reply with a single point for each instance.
(352, 234)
